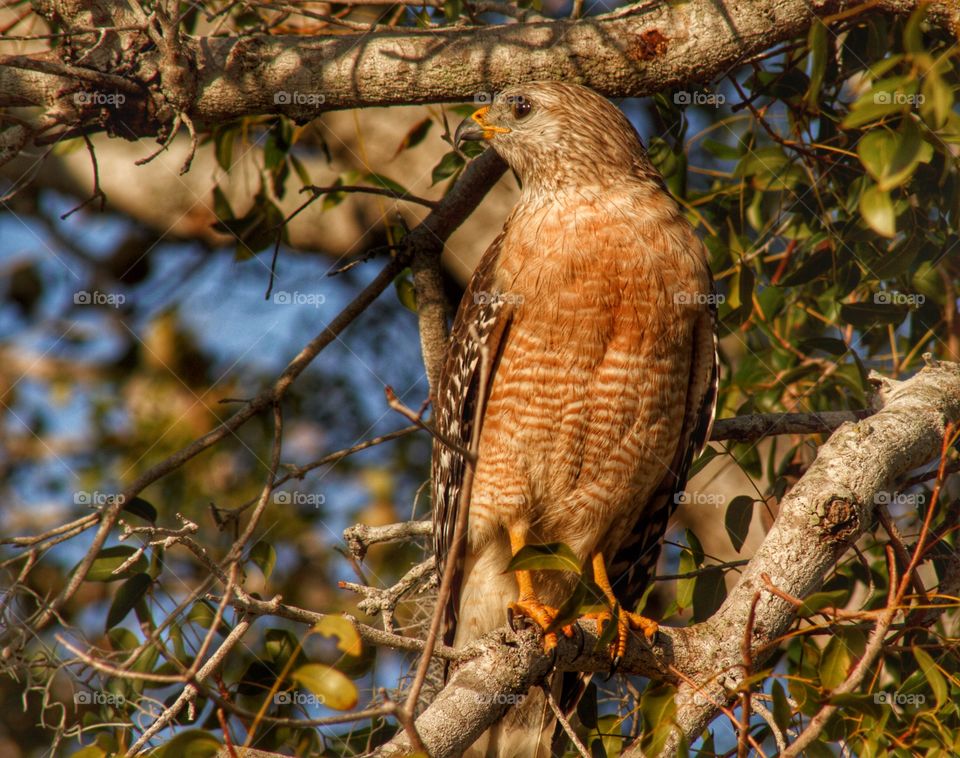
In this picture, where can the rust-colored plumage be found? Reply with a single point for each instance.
(593, 307)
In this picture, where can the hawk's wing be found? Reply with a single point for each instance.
(634, 563)
(482, 322)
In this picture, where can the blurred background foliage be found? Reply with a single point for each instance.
(824, 179)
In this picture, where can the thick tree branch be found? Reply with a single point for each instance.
(630, 52)
(825, 512)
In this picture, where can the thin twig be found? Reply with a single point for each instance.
(457, 546)
(565, 723)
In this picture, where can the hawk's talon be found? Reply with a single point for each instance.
(543, 616)
(626, 622)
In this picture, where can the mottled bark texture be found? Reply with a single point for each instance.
(632, 51)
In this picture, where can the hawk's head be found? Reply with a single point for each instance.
(556, 135)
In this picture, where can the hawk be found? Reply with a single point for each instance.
(587, 338)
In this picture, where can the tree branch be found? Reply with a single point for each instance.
(633, 51)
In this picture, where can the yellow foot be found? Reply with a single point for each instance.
(544, 616)
(626, 622)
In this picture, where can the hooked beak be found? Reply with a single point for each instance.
(474, 128)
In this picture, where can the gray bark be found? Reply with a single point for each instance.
(633, 51)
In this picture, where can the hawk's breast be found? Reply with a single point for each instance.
(587, 403)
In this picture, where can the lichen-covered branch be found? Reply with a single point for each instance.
(632, 51)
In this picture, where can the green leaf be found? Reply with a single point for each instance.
(720, 150)
(417, 132)
(877, 210)
(863, 315)
(658, 707)
(406, 292)
(737, 520)
(913, 31)
(191, 744)
(345, 633)
(329, 686)
(274, 151)
(888, 97)
(223, 146)
(708, 594)
(782, 712)
(221, 206)
(695, 547)
(449, 165)
(264, 556)
(817, 45)
(128, 595)
(572, 608)
(203, 613)
(111, 558)
(770, 168)
(702, 460)
(835, 662)
(820, 600)
(830, 345)
(685, 586)
(451, 10)
(122, 639)
(937, 100)
(932, 673)
(857, 703)
(554, 556)
(587, 707)
(892, 157)
(140, 507)
(301, 170)
(384, 182)
(279, 645)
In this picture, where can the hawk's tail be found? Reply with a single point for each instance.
(527, 729)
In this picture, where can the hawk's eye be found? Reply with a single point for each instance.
(521, 108)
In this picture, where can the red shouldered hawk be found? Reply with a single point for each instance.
(594, 308)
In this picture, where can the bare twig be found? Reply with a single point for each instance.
(565, 723)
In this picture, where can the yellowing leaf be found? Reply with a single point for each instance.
(932, 673)
(554, 556)
(329, 686)
(347, 638)
(877, 210)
